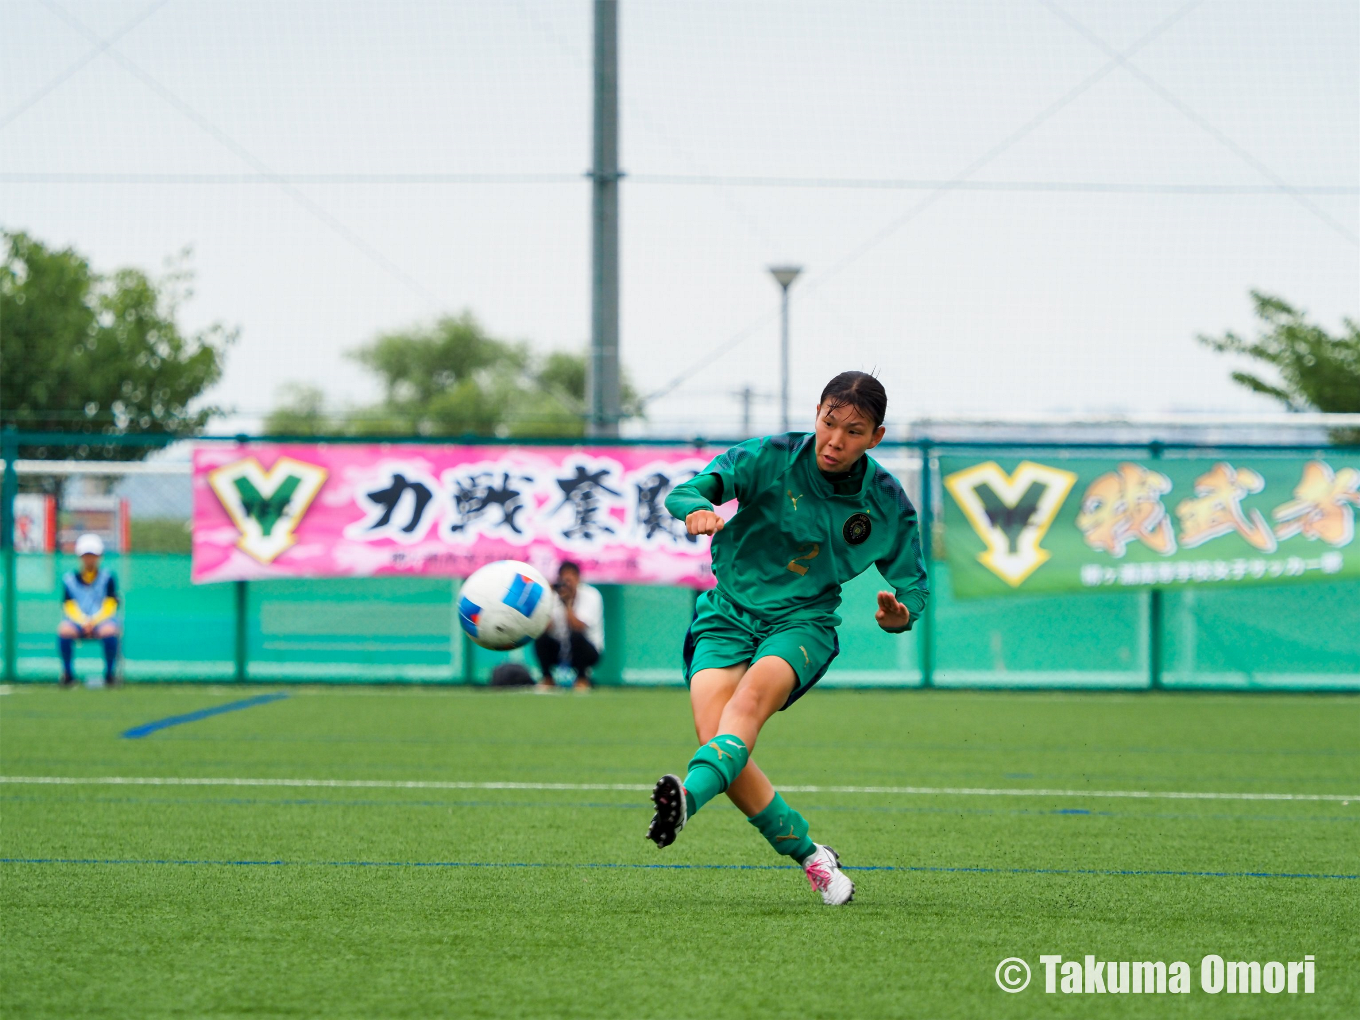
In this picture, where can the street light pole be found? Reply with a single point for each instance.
(784, 275)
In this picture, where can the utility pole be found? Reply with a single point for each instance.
(748, 395)
(784, 276)
(602, 379)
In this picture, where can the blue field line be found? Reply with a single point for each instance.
(137, 732)
(1118, 872)
(643, 807)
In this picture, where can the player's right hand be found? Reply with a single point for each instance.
(703, 522)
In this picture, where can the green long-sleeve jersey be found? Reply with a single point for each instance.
(794, 539)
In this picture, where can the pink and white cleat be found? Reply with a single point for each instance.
(823, 870)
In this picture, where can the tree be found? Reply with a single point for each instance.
(98, 355)
(1317, 371)
(452, 378)
(301, 412)
(564, 374)
(446, 379)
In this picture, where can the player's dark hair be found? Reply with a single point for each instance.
(859, 390)
(569, 565)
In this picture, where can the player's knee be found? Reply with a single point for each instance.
(106, 630)
(67, 630)
(748, 702)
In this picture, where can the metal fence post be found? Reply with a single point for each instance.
(609, 670)
(926, 517)
(242, 633)
(1155, 610)
(9, 446)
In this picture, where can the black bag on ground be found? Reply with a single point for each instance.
(511, 674)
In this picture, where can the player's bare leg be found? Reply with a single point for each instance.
(736, 701)
(744, 698)
(740, 699)
(709, 693)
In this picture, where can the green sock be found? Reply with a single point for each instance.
(785, 829)
(713, 768)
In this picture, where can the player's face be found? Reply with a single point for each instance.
(89, 563)
(843, 435)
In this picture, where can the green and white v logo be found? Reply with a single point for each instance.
(266, 506)
(1011, 513)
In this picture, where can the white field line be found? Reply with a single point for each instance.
(433, 784)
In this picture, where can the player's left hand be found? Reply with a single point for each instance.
(891, 615)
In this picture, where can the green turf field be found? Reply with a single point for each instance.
(379, 901)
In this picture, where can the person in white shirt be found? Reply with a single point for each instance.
(576, 634)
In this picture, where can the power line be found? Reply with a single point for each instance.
(855, 254)
(682, 180)
(1185, 110)
(89, 55)
(45, 177)
(929, 184)
(727, 345)
(1000, 147)
(363, 246)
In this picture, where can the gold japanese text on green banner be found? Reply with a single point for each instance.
(1042, 525)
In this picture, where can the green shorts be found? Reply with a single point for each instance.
(722, 634)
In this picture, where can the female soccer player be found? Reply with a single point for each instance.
(814, 511)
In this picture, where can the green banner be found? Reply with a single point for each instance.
(1044, 525)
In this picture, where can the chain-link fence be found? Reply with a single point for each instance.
(405, 629)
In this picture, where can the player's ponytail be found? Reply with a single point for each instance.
(859, 390)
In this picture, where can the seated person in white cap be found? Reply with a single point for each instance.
(89, 598)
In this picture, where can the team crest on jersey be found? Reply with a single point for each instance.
(856, 528)
(266, 506)
(1011, 513)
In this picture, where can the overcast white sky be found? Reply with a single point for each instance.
(1222, 153)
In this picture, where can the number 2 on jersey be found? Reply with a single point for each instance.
(801, 568)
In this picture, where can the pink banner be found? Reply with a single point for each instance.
(336, 510)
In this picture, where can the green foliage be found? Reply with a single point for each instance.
(565, 373)
(160, 535)
(452, 378)
(301, 412)
(1317, 371)
(98, 355)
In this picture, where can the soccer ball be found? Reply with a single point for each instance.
(504, 605)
